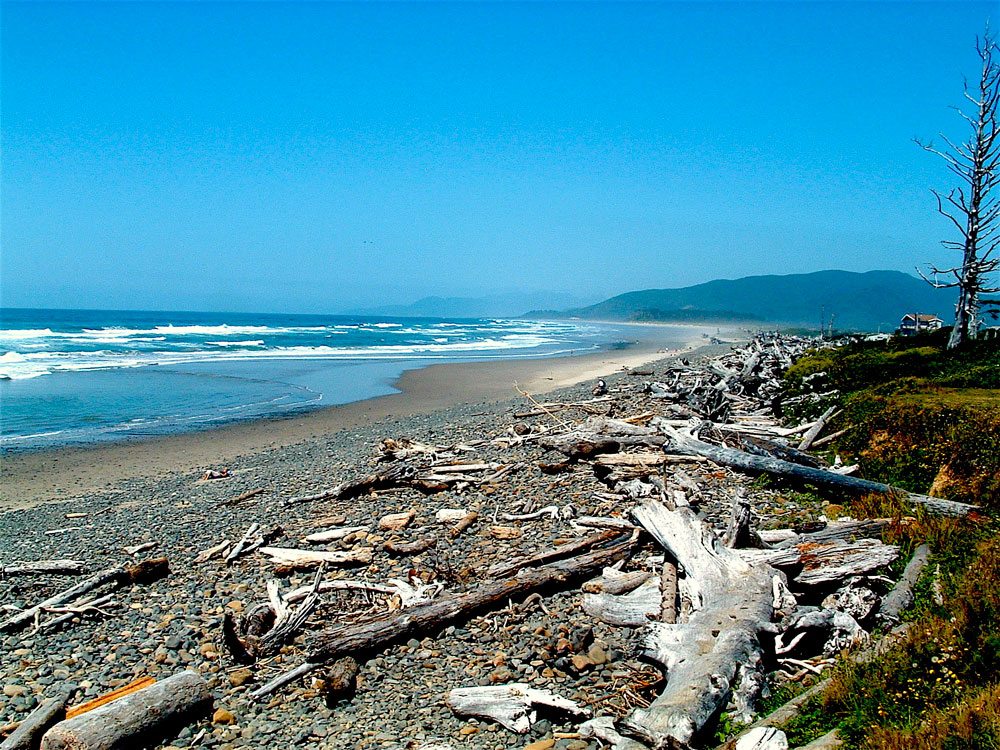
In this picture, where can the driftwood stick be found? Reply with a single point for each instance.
(365, 637)
(394, 476)
(134, 719)
(143, 572)
(43, 567)
(817, 428)
(30, 730)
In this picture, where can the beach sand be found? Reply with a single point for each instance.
(36, 477)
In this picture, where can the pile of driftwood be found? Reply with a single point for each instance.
(719, 608)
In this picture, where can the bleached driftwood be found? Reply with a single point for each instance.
(31, 728)
(824, 563)
(512, 705)
(207, 554)
(634, 609)
(509, 568)
(731, 605)
(395, 476)
(603, 728)
(688, 444)
(762, 738)
(302, 558)
(143, 572)
(332, 535)
(817, 428)
(366, 636)
(43, 567)
(134, 719)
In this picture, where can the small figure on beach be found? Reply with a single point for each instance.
(601, 388)
(215, 474)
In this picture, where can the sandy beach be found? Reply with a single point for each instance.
(47, 475)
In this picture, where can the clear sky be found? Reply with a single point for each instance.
(312, 157)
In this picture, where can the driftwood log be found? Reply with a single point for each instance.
(707, 656)
(901, 595)
(143, 572)
(395, 476)
(139, 717)
(688, 444)
(30, 730)
(368, 636)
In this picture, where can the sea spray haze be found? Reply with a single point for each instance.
(73, 376)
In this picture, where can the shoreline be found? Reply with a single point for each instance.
(52, 475)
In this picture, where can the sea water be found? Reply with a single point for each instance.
(79, 376)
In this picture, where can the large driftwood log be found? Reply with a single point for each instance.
(732, 604)
(367, 636)
(511, 705)
(30, 730)
(143, 572)
(141, 716)
(684, 444)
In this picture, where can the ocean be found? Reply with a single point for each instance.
(70, 377)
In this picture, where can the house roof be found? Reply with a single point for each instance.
(923, 318)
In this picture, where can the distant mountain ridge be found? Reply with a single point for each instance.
(495, 306)
(858, 301)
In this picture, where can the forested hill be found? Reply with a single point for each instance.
(859, 301)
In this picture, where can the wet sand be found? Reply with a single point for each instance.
(30, 478)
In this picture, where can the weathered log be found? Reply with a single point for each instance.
(814, 564)
(141, 573)
(242, 544)
(367, 636)
(512, 705)
(763, 738)
(134, 719)
(732, 604)
(901, 595)
(740, 533)
(616, 583)
(43, 567)
(763, 447)
(603, 728)
(395, 476)
(688, 445)
(31, 728)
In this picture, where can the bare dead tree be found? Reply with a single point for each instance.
(973, 207)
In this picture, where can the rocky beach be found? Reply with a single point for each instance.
(527, 499)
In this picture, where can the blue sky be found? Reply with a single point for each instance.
(320, 156)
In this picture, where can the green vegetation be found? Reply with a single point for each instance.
(919, 416)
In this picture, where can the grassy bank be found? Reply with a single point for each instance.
(925, 419)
